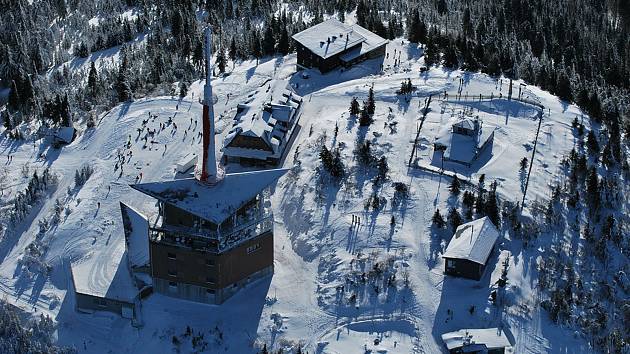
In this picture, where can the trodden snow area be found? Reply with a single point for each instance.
(357, 259)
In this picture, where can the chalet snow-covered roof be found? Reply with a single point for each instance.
(372, 41)
(136, 228)
(65, 134)
(461, 147)
(473, 241)
(212, 202)
(468, 124)
(481, 338)
(328, 38)
(258, 117)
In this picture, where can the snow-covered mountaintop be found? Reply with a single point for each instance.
(328, 290)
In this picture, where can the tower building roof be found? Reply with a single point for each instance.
(216, 202)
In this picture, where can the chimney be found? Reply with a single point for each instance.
(206, 161)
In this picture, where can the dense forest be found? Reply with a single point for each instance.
(577, 49)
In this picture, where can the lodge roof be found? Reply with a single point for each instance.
(473, 241)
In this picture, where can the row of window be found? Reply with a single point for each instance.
(173, 256)
(172, 287)
(209, 280)
(210, 262)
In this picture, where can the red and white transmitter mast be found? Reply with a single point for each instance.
(207, 170)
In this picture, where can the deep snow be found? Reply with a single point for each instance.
(317, 249)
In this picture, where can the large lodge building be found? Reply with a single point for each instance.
(331, 44)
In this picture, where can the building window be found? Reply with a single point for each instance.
(210, 262)
(450, 263)
(100, 302)
(171, 255)
(253, 248)
(172, 272)
(209, 280)
(172, 286)
(210, 291)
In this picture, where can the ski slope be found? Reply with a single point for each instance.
(317, 246)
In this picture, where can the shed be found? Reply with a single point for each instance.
(64, 135)
(468, 251)
(481, 340)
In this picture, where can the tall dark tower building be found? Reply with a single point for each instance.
(214, 232)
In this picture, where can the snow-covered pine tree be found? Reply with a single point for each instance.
(355, 109)
(491, 205)
(365, 119)
(221, 60)
(92, 84)
(454, 218)
(592, 144)
(455, 186)
(371, 103)
(123, 88)
(437, 219)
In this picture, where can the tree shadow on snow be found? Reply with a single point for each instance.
(311, 80)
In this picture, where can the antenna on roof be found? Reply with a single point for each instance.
(207, 170)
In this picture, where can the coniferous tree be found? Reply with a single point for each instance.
(14, 96)
(268, 43)
(431, 53)
(354, 107)
(93, 81)
(66, 116)
(592, 144)
(450, 57)
(256, 48)
(455, 186)
(123, 88)
(592, 189)
(371, 104)
(365, 119)
(283, 43)
(383, 168)
(221, 60)
(7, 120)
(233, 50)
(437, 219)
(468, 200)
(491, 205)
(454, 218)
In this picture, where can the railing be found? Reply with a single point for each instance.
(210, 239)
(246, 232)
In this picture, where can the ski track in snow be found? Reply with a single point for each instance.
(306, 231)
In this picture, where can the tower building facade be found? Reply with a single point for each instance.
(213, 233)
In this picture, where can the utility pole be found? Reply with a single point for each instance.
(531, 162)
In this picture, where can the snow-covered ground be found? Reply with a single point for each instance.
(317, 296)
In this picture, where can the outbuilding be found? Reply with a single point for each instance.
(481, 340)
(468, 251)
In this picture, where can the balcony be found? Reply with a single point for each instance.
(212, 240)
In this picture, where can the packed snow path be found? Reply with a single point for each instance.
(315, 239)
